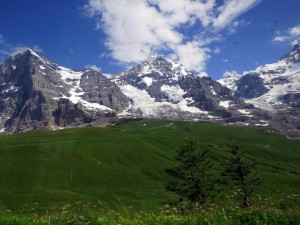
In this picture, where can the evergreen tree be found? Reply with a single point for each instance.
(242, 171)
(193, 174)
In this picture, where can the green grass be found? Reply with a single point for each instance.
(220, 217)
(123, 166)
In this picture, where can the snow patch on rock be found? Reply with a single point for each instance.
(72, 78)
(175, 93)
(143, 101)
(224, 104)
(148, 81)
(244, 111)
(213, 90)
(68, 74)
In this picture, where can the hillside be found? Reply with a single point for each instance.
(124, 164)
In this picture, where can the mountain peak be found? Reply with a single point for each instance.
(162, 66)
(152, 60)
(293, 56)
(25, 52)
(160, 61)
(31, 51)
(296, 48)
(155, 57)
(34, 53)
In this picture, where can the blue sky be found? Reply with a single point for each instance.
(212, 36)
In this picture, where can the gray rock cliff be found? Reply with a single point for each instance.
(36, 93)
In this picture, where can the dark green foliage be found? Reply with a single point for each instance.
(193, 174)
(291, 202)
(242, 171)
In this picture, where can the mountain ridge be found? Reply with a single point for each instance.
(36, 93)
(272, 87)
(161, 88)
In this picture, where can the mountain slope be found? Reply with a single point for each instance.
(273, 87)
(269, 85)
(124, 165)
(36, 93)
(161, 88)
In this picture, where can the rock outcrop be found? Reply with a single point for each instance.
(274, 88)
(36, 93)
(160, 88)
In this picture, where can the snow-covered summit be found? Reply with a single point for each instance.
(36, 93)
(161, 88)
(267, 86)
(274, 88)
(154, 89)
(156, 66)
(229, 79)
(293, 56)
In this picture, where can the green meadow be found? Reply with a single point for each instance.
(115, 175)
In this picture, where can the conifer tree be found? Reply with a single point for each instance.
(193, 174)
(242, 171)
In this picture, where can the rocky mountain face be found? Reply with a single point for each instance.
(250, 86)
(36, 93)
(274, 88)
(160, 88)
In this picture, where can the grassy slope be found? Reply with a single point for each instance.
(124, 164)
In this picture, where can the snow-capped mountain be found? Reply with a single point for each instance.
(273, 87)
(230, 79)
(154, 89)
(36, 93)
(161, 88)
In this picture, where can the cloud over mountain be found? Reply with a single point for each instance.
(292, 36)
(181, 29)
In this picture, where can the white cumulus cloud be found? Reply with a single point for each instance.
(191, 55)
(93, 67)
(183, 29)
(292, 36)
(295, 31)
(231, 10)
